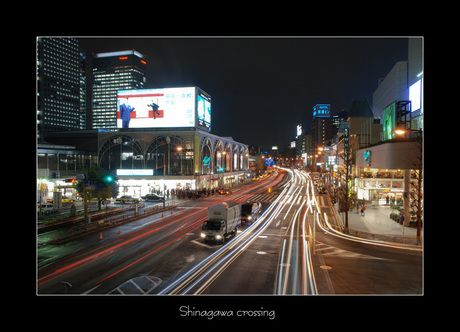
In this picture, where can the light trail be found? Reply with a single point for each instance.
(192, 221)
(330, 230)
(197, 279)
(295, 269)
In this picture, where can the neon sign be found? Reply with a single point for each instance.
(322, 110)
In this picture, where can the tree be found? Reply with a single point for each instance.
(344, 192)
(103, 184)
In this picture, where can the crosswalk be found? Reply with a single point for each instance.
(327, 250)
(140, 285)
(264, 198)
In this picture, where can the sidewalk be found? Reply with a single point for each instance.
(377, 221)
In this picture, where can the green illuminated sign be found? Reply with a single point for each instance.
(389, 118)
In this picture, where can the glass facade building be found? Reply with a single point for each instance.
(58, 85)
(114, 71)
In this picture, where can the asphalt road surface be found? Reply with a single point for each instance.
(146, 256)
(295, 247)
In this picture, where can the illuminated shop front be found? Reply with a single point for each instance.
(382, 185)
(382, 170)
(130, 186)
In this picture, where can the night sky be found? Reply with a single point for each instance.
(261, 88)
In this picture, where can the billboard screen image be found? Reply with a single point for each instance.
(203, 110)
(163, 108)
(415, 95)
(389, 118)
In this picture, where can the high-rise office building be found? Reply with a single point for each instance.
(83, 92)
(58, 85)
(320, 126)
(337, 120)
(114, 71)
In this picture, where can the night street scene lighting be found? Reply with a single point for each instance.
(230, 166)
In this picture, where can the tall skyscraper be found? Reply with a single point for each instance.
(58, 85)
(114, 71)
(320, 126)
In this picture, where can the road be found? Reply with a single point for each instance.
(146, 256)
(295, 247)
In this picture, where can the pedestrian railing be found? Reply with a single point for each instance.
(83, 229)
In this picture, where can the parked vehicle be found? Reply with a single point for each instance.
(250, 211)
(223, 221)
(127, 199)
(153, 198)
(68, 199)
(45, 208)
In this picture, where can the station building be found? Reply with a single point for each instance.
(147, 160)
(160, 141)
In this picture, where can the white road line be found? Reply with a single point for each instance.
(90, 290)
(202, 244)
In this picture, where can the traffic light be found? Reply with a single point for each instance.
(108, 178)
(70, 180)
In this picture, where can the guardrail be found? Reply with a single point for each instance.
(82, 230)
(95, 215)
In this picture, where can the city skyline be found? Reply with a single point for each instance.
(274, 80)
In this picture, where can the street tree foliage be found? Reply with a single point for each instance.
(103, 184)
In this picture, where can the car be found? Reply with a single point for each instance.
(250, 211)
(127, 199)
(68, 199)
(45, 208)
(153, 198)
(225, 191)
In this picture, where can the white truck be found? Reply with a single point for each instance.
(223, 221)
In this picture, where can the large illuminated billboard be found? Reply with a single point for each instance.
(203, 109)
(415, 95)
(164, 108)
(389, 118)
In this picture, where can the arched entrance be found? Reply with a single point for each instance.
(170, 155)
(206, 157)
(121, 151)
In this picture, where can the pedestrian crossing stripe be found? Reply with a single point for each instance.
(262, 198)
(326, 250)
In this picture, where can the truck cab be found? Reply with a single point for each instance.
(213, 230)
(223, 221)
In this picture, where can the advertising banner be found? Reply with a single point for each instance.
(389, 118)
(203, 109)
(415, 95)
(163, 108)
